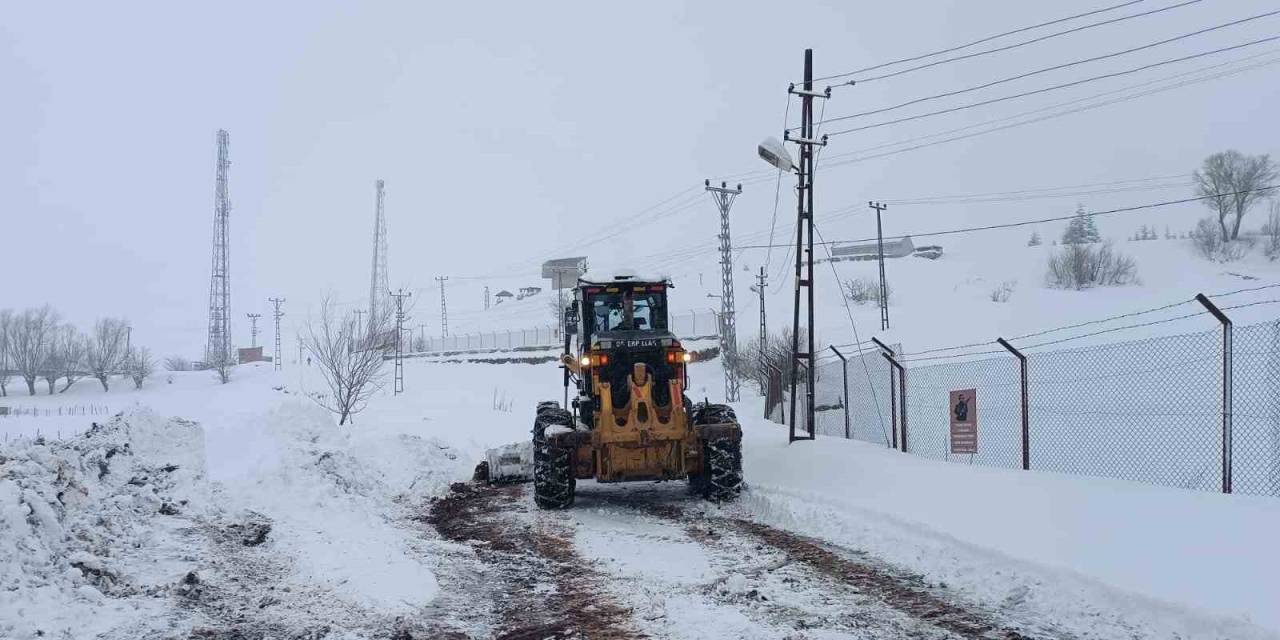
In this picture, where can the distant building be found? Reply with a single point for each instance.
(525, 292)
(503, 295)
(899, 248)
(251, 354)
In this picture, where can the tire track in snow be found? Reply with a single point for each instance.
(537, 585)
(762, 582)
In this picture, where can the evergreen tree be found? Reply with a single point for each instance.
(1081, 229)
(1035, 240)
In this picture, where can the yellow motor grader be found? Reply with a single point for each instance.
(630, 419)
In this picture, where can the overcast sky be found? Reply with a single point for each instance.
(506, 132)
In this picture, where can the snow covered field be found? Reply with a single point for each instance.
(210, 509)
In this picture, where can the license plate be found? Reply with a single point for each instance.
(640, 343)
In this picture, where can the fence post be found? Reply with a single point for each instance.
(693, 324)
(893, 399)
(844, 374)
(902, 389)
(1227, 384)
(1026, 418)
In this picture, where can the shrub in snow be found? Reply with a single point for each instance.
(1003, 292)
(1080, 266)
(1035, 240)
(864, 290)
(1271, 232)
(1209, 243)
(177, 363)
(751, 365)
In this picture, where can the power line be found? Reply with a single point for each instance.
(856, 156)
(979, 41)
(1098, 321)
(1025, 94)
(1024, 43)
(1023, 223)
(1054, 192)
(1058, 67)
(1051, 116)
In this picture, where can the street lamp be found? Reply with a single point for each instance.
(773, 152)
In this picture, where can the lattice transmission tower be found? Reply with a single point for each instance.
(379, 290)
(218, 347)
(724, 197)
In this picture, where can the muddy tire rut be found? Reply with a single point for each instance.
(540, 588)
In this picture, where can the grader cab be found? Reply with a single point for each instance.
(631, 419)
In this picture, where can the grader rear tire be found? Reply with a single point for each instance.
(723, 480)
(554, 483)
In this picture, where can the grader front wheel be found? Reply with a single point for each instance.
(553, 480)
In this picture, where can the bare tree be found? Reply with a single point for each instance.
(30, 343)
(6, 329)
(139, 365)
(107, 349)
(1231, 184)
(221, 364)
(351, 366)
(70, 346)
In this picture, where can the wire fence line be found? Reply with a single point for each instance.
(1196, 411)
(687, 325)
(7, 411)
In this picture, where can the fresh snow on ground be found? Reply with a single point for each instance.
(1160, 558)
(1095, 555)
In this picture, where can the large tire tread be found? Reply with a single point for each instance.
(554, 483)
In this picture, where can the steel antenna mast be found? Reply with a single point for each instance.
(218, 347)
(378, 287)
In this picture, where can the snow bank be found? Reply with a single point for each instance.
(1202, 552)
(78, 523)
(331, 498)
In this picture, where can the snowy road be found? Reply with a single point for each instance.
(648, 561)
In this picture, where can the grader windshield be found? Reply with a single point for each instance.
(627, 307)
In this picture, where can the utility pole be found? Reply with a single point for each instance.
(299, 350)
(398, 385)
(444, 308)
(762, 282)
(277, 358)
(422, 335)
(724, 197)
(360, 322)
(884, 286)
(803, 357)
(253, 328)
(486, 297)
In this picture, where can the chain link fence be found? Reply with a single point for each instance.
(687, 325)
(1197, 411)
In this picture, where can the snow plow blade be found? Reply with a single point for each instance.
(507, 464)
